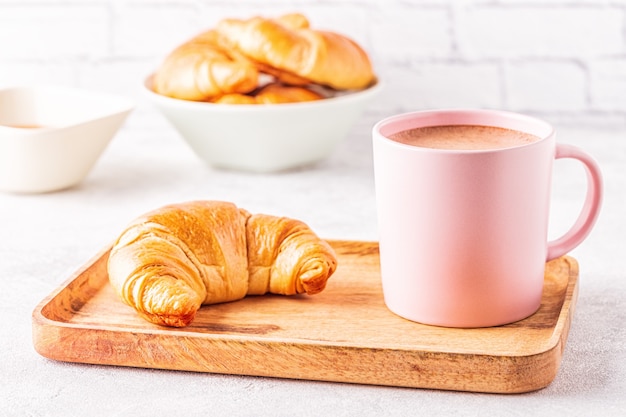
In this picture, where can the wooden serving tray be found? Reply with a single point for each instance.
(344, 334)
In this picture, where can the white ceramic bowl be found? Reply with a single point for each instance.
(263, 138)
(51, 136)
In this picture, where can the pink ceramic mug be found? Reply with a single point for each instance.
(463, 233)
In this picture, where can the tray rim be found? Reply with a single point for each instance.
(552, 348)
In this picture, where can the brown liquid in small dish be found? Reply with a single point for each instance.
(26, 126)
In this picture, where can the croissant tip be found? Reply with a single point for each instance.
(317, 284)
(314, 287)
(170, 320)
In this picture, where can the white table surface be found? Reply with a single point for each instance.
(45, 238)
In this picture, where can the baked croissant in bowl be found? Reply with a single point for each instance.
(237, 56)
(169, 262)
(272, 94)
(201, 69)
(289, 45)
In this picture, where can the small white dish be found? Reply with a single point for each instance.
(263, 137)
(51, 136)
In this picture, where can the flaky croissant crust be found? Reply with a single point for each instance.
(201, 69)
(289, 45)
(169, 262)
(272, 94)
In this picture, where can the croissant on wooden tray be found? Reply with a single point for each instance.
(170, 261)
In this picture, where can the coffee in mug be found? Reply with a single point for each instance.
(463, 201)
(463, 137)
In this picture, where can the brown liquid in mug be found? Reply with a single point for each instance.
(463, 137)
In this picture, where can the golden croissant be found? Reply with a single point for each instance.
(288, 44)
(170, 261)
(236, 56)
(272, 94)
(200, 69)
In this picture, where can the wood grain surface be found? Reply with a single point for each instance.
(344, 334)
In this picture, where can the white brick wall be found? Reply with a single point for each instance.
(564, 60)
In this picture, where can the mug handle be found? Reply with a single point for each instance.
(591, 208)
